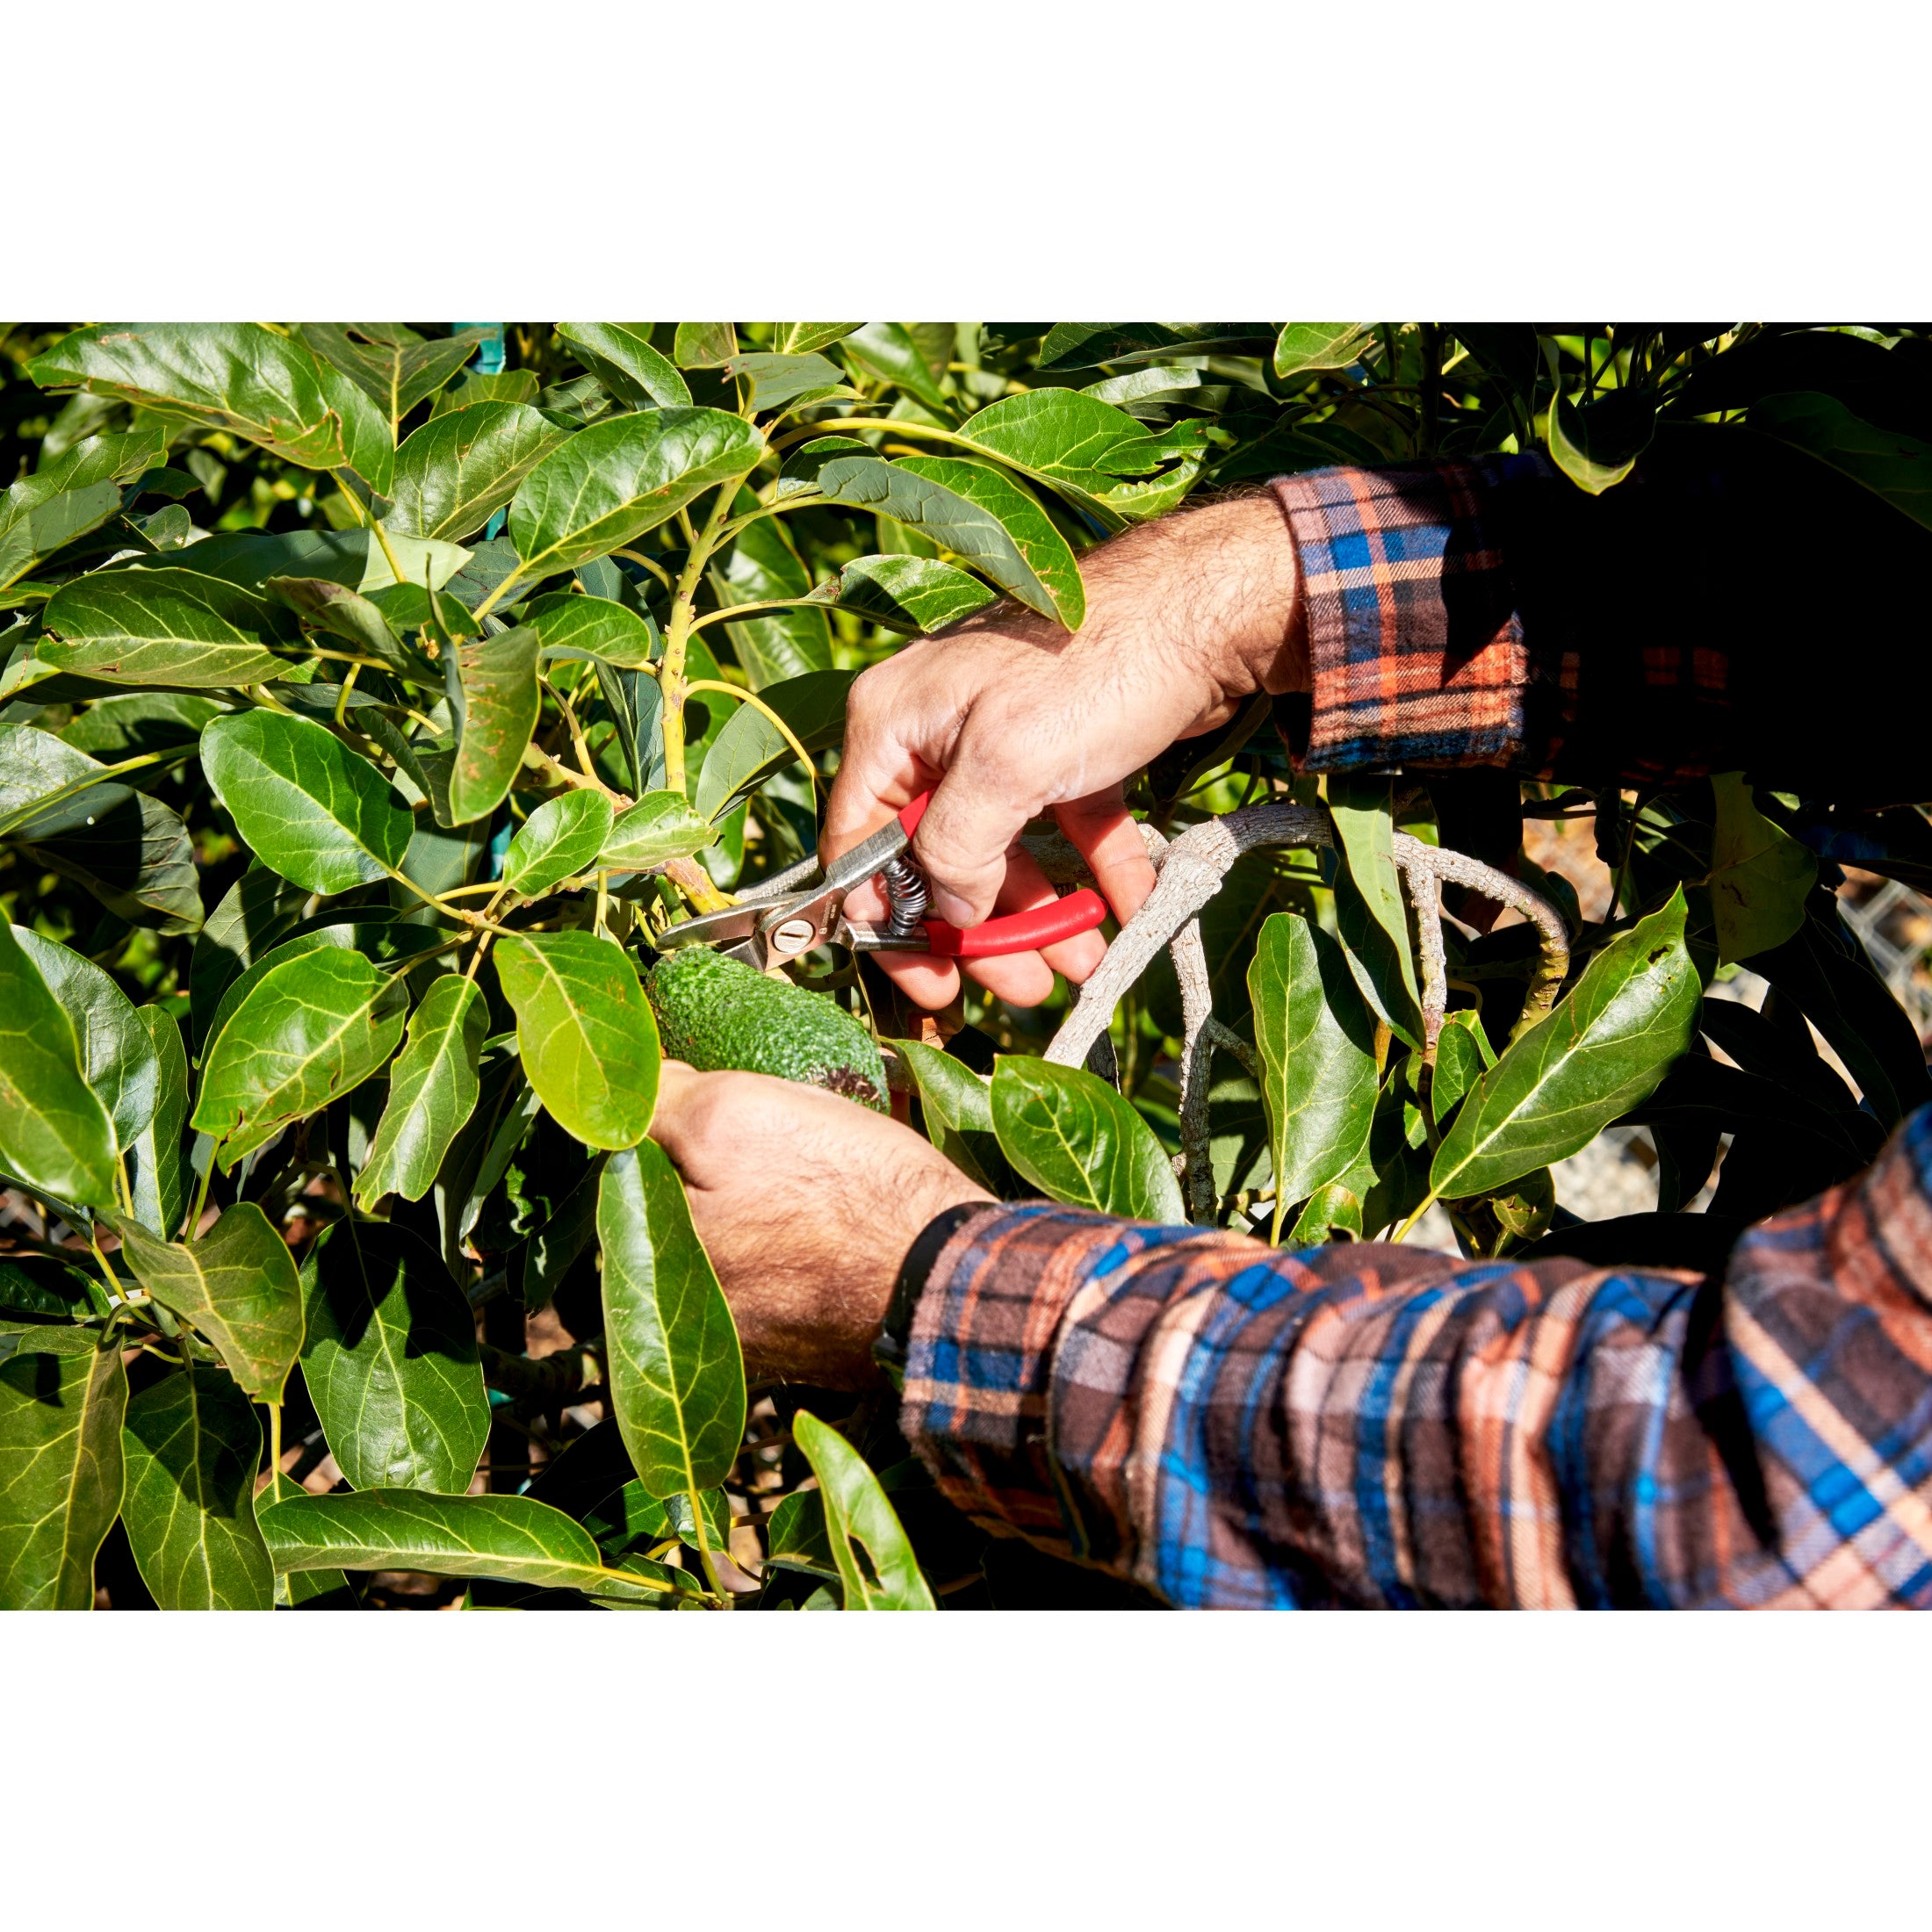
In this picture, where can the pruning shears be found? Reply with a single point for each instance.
(789, 914)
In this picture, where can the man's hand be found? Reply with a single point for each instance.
(1008, 715)
(806, 1204)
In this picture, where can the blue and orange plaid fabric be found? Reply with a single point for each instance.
(1237, 1426)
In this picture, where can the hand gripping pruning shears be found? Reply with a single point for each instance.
(786, 916)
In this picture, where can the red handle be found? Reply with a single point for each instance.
(1017, 932)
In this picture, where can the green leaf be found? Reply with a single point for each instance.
(454, 473)
(660, 825)
(560, 840)
(1760, 877)
(68, 497)
(392, 365)
(1369, 913)
(916, 594)
(170, 626)
(500, 701)
(750, 747)
(318, 813)
(192, 1447)
(959, 1104)
(54, 1132)
(876, 1563)
(351, 557)
(622, 477)
(133, 722)
(1597, 445)
(975, 511)
(788, 382)
(234, 376)
(703, 345)
(338, 611)
(1603, 1051)
(307, 1032)
(795, 1532)
(118, 1059)
(676, 1377)
(512, 1537)
(47, 786)
(321, 1589)
(433, 1088)
(1317, 1046)
(1463, 1055)
(1333, 1212)
(597, 626)
(1087, 345)
(586, 1034)
(1303, 348)
(390, 1360)
(1079, 1141)
(256, 914)
(133, 854)
(61, 1471)
(761, 568)
(1070, 441)
(888, 350)
(620, 355)
(1894, 466)
(237, 1285)
(801, 338)
(156, 1182)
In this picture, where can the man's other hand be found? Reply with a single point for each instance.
(1007, 716)
(806, 1204)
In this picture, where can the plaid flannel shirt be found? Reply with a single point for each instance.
(1238, 1426)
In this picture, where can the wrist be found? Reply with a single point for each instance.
(1263, 630)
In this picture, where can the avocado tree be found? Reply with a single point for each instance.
(375, 696)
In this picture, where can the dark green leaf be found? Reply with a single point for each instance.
(617, 479)
(1608, 1043)
(47, 786)
(60, 1471)
(1891, 466)
(1463, 1055)
(351, 557)
(433, 1089)
(234, 376)
(138, 722)
(170, 626)
(54, 1134)
(68, 497)
(659, 827)
(511, 1537)
(1079, 1141)
(858, 1519)
(677, 1380)
(1303, 348)
(588, 1038)
(133, 854)
(1760, 877)
(314, 1589)
(192, 1447)
(154, 1179)
(750, 747)
(118, 1057)
(959, 1115)
(560, 840)
(1317, 1045)
(761, 568)
(237, 1285)
(597, 627)
(975, 511)
(1087, 345)
(338, 611)
(1597, 445)
(1369, 913)
(307, 1032)
(620, 355)
(785, 382)
(462, 466)
(318, 813)
(501, 703)
(392, 365)
(888, 350)
(909, 593)
(1332, 1213)
(390, 1359)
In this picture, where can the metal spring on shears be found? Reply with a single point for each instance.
(905, 897)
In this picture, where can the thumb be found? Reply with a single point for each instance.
(975, 814)
(671, 1119)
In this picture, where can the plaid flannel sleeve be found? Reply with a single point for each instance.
(1235, 1426)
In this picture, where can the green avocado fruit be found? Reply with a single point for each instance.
(717, 1013)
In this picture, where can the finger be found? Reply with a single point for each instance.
(1021, 979)
(1028, 886)
(878, 774)
(978, 809)
(924, 979)
(678, 1085)
(1107, 838)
